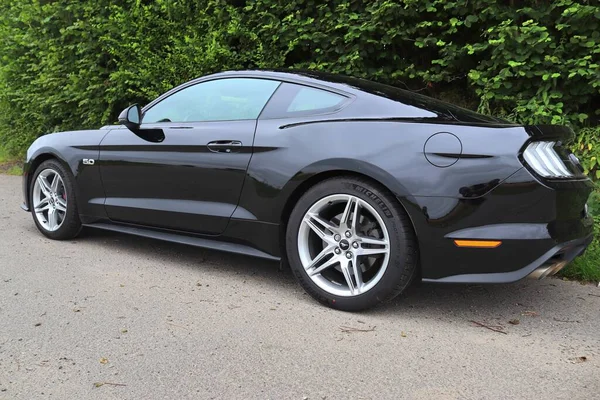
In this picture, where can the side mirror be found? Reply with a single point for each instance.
(131, 117)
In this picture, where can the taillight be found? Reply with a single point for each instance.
(544, 160)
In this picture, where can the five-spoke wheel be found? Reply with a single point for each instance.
(350, 244)
(49, 199)
(52, 201)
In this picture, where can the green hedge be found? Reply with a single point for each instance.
(71, 64)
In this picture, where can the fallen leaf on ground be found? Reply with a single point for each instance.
(403, 334)
(123, 330)
(103, 360)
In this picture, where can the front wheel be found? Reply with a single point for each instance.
(53, 203)
(350, 244)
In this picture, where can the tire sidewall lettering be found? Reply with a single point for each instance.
(384, 208)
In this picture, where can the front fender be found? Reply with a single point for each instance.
(70, 148)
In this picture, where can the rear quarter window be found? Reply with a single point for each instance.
(292, 100)
(310, 99)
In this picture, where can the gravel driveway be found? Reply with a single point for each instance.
(108, 316)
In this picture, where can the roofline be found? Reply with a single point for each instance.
(294, 76)
(291, 77)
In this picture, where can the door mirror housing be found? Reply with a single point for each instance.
(131, 117)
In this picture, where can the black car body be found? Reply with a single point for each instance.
(231, 185)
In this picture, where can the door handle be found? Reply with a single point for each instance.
(224, 146)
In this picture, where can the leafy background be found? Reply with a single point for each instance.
(75, 64)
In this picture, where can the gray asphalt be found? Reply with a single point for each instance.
(108, 316)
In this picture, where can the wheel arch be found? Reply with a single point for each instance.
(326, 169)
(34, 162)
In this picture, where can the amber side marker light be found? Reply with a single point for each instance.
(482, 244)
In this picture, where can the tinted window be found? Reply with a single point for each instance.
(217, 100)
(313, 99)
(292, 100)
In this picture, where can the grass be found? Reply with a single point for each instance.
(8, 164)
(585, 268)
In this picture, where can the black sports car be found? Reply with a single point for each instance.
(359, 186)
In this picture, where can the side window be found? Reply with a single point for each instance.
(227, 99)
(309, 99)
(292, 100)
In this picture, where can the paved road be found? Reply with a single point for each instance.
(166, 321)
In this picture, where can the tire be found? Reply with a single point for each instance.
(67, 224)
(342, 285)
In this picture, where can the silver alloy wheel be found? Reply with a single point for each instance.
(343, 244)
(49, 200)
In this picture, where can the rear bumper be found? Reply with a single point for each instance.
(548, 264)
(541, 226)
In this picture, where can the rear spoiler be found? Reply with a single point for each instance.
(550, 132)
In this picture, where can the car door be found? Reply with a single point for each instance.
(191, 181)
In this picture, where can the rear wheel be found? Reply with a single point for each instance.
(350, 245)
(53, 203)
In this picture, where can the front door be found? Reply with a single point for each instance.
(192, 180)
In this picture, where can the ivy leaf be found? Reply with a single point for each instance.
(470, 20)
(474, 75)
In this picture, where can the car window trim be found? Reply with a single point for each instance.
(186, 85)
(190, 124)
(277, 109)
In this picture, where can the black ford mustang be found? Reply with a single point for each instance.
(359, 186)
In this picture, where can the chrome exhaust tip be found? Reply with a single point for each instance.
(557, 268)
(540, 273)
(547, 270)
